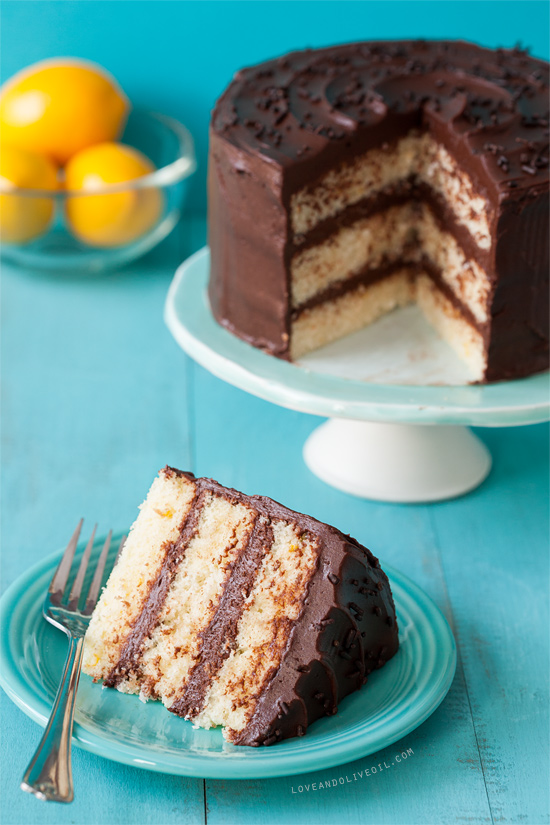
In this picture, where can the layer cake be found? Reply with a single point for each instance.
(346, 182)
(235, 611)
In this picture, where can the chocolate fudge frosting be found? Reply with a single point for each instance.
(282, 125)
(346, 629)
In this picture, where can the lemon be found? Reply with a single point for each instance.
(117, 218)
(60, 106)
(23, 218)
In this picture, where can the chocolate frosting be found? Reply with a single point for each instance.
(282, 125)
(347, 629)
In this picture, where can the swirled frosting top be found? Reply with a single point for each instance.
(490, 107)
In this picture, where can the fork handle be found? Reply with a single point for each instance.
(49, 774)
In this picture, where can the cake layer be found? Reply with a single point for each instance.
(380, 239)
(219, 637)
(249, 600)
(450, 323)
(174, 645)
(268, 617)
(351, 311)
(416, 157)
(364, 303)
(403, 234)
(138, 569)
(464, 276)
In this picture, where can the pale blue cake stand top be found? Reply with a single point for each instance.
(189, 318)
(386, 458)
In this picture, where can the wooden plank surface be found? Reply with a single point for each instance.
(92, 407)
(97, 397)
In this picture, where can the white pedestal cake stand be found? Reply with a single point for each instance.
(397, 397)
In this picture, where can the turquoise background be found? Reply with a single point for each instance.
(97, 397)
(177, 57)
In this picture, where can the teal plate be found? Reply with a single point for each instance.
(397, 698)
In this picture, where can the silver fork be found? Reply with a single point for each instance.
(49, 774)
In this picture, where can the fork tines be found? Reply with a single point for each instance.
(61, 576)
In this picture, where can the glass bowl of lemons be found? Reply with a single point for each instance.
(86, 182)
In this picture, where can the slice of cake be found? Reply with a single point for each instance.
(346, 182)
(235, 611)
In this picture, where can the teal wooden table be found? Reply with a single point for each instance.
(97, 397)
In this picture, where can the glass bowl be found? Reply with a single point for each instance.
(169, 146)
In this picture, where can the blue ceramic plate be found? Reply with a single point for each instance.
(397, 698)
(333, 393)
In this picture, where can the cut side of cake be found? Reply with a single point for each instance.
(371, 236)
(237, 612)
(347, 182)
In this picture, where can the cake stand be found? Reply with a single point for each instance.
(398, 400)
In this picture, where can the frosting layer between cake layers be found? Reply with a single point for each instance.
(347, 181)
(235, 611)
